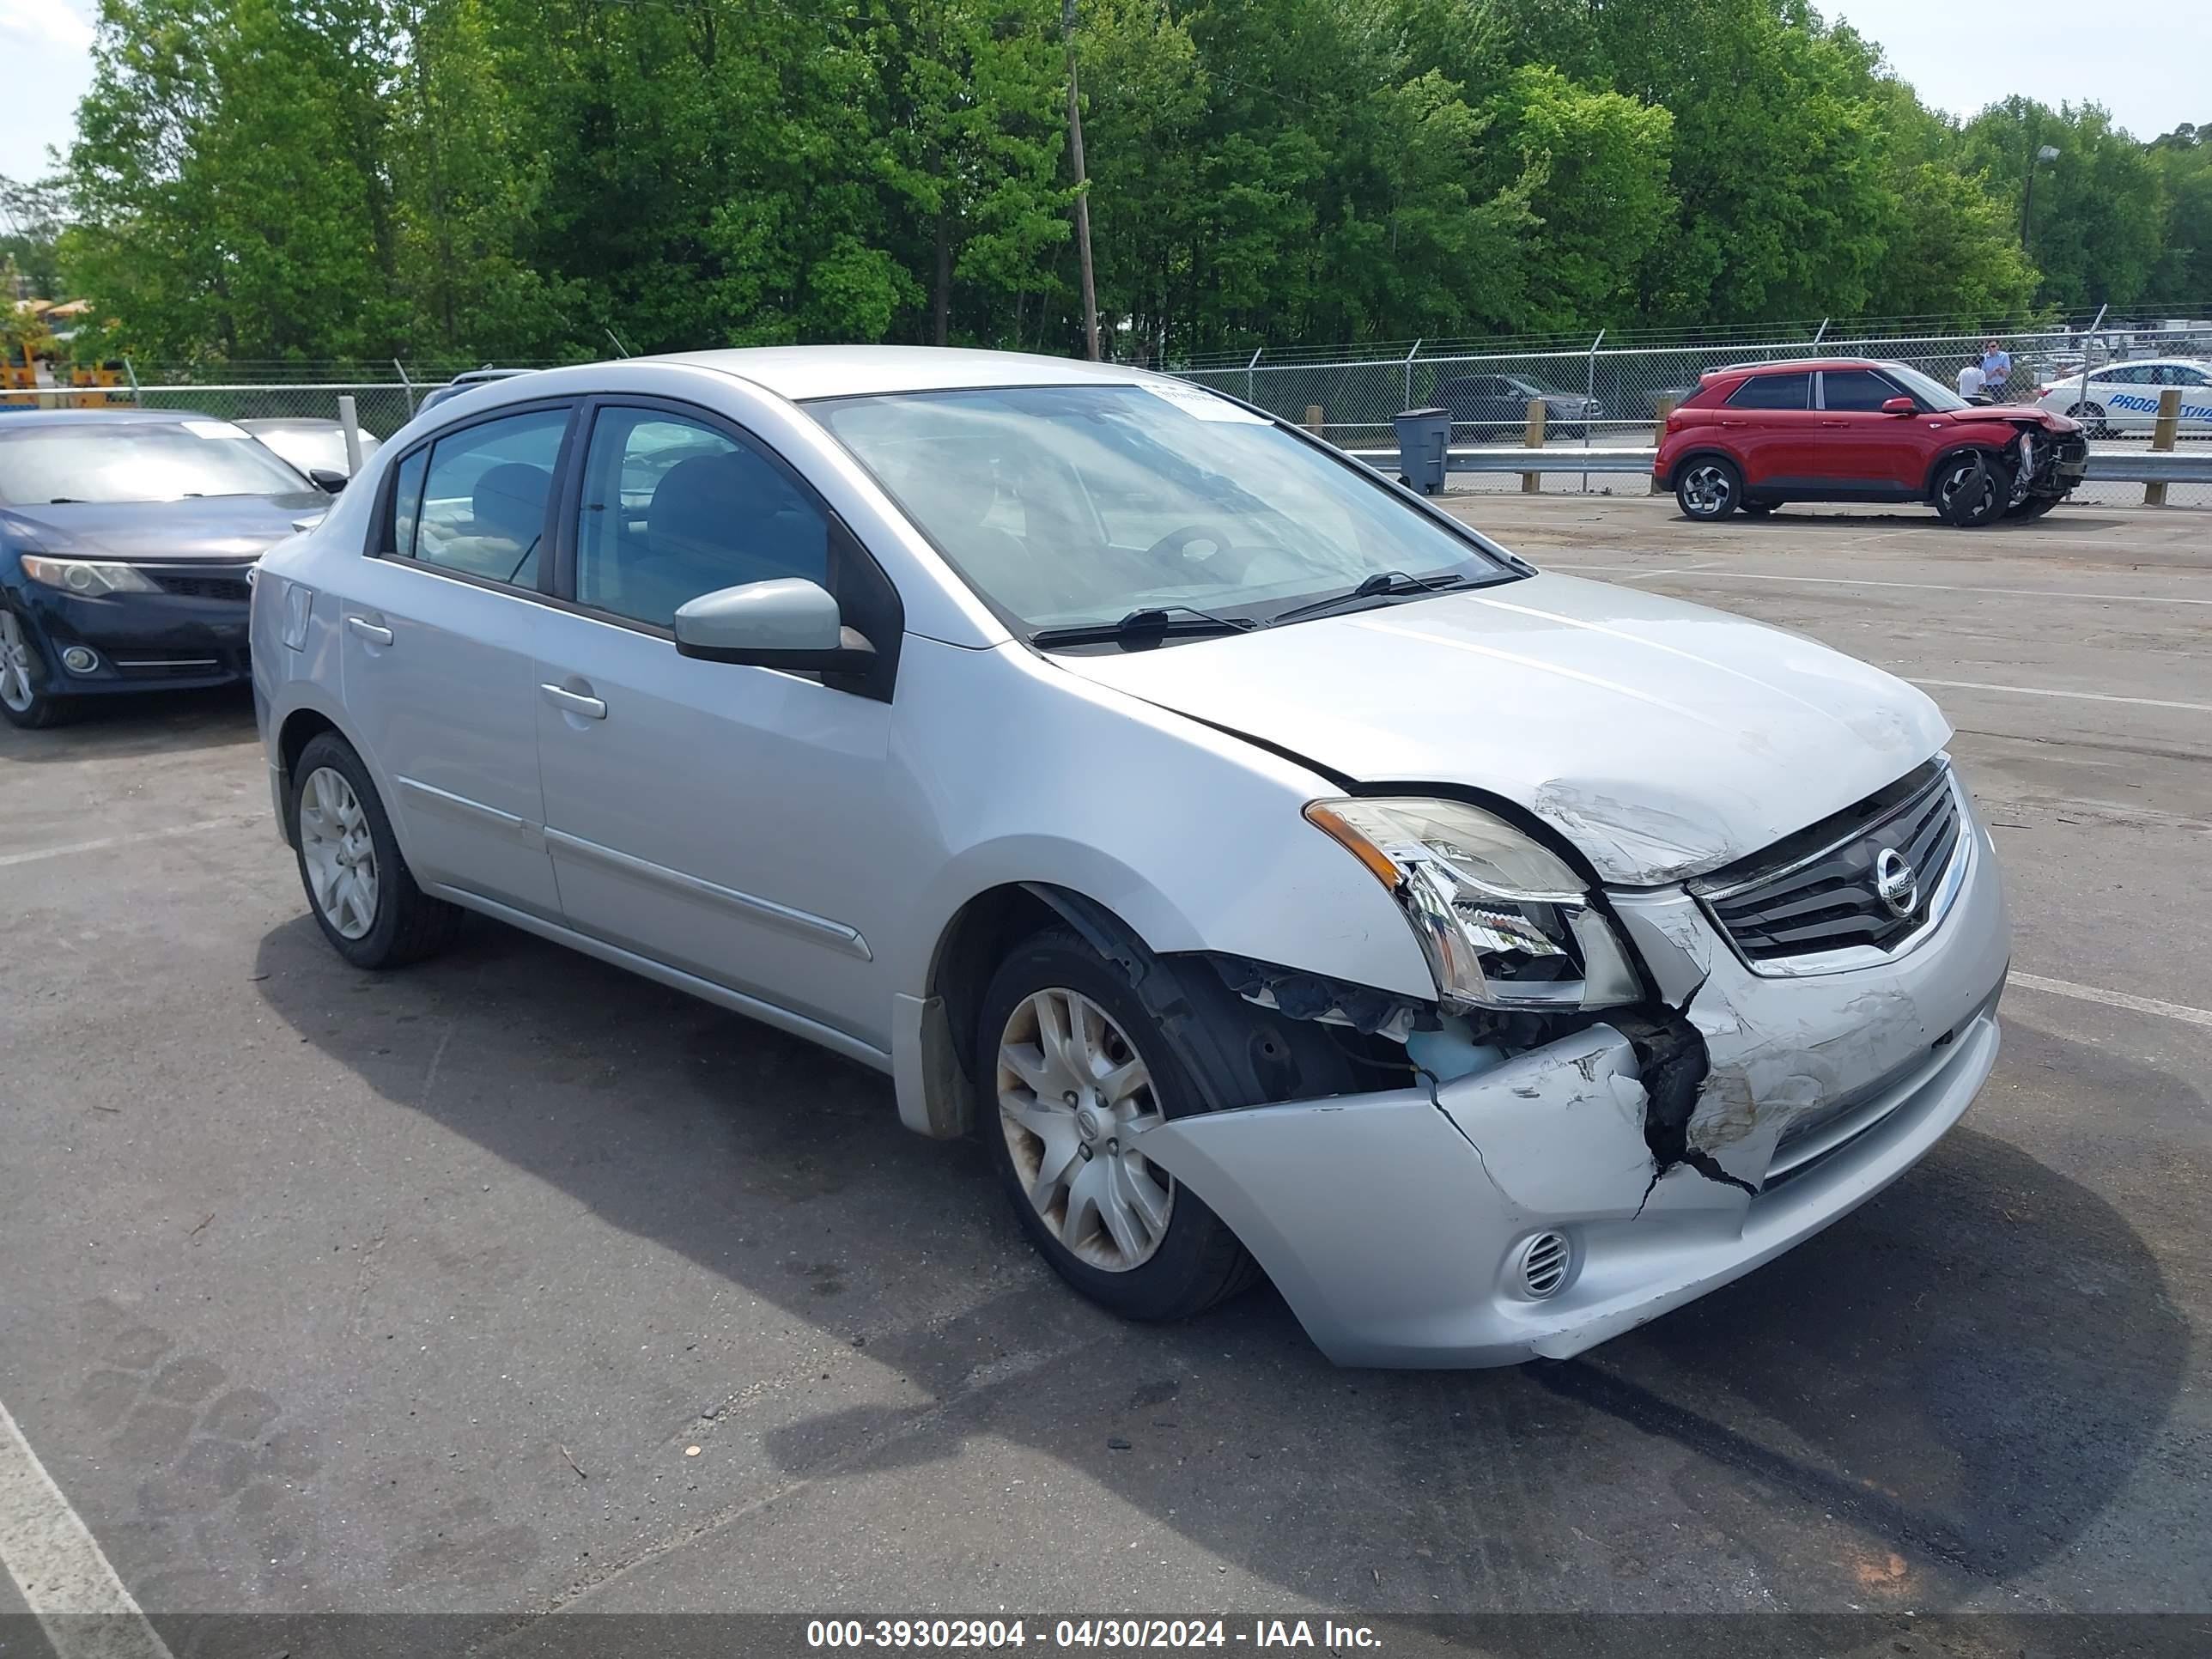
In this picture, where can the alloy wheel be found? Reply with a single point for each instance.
(339, 852)
(15, 688)
(1707, 490)
(1074, 1099)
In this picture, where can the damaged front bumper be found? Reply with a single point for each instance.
(1400, 1225)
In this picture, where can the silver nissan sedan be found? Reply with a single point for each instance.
(1275, 875)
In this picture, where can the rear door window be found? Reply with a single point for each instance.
(478, 504)
(1773, 392)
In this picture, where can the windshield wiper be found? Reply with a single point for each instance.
(1146, 624)
(1383, 584)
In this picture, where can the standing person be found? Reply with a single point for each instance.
(1971, 381)
(1996, 370)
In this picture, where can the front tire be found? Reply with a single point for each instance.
(363, 896)
(1972, 490)
(1707, 489)
(27, 698)
(2032, 508)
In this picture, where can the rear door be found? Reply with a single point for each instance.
(1770, 424)
(1867, 452)
(2196, 387)
(437, 653)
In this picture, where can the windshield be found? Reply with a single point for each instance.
(1073, 506)
(124, 461)
(1932, 392)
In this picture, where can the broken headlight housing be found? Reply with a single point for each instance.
(1504, 922)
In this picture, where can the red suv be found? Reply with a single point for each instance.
(1848, 429)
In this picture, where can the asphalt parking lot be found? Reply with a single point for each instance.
(511, 1285)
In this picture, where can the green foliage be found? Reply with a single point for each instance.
(2095, 232)
(515, 179)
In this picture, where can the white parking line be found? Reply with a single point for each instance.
(70, 848)
(2059, 987)
(2082, 697)
(59, 1567)
(1863, 581)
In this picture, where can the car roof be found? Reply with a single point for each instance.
(1777, 365)
(799, 373)
(133, 416)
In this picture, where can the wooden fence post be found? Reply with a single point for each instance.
(1532, 482)
(2161, 438)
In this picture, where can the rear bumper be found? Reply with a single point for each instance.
(142, 640)
(1393, 1223)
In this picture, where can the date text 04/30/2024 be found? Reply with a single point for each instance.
(988, 1635)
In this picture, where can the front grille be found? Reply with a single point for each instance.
(205, 587)
(1821, 889)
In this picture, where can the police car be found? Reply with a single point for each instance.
(2124, 396)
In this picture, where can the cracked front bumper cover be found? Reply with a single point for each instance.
(1393, 1223)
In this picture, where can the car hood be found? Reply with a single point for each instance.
(212, 528)
(1660, 738)
(2034, 414)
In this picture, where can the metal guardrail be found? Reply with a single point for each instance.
(2107, 464)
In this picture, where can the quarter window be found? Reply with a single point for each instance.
(1773, 392)
(476, 501)
(673, 509)
(1860, 389)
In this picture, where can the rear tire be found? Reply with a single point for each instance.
(359, 888)
(2091, 417)
(26, 679)
(1708, 488)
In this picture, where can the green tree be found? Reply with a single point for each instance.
(2183, 272)
(226, 179)
(2099, 209)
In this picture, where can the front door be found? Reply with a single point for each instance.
(1865, 451)
(437, 655)
(729, 821)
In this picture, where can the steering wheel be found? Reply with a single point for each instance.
(1178, 540)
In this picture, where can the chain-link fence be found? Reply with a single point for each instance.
(2111, 378)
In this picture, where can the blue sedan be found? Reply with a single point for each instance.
(126, 540)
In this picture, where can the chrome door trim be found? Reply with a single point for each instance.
(423, 794)
(722, 996)
(821, 929)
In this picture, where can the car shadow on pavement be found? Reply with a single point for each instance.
(151, 723)
(1938, 1395)
(2059, 523)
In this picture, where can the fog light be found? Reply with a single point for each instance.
(1544, 1263)
(79, 660)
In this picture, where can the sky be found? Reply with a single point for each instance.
(2151, 71)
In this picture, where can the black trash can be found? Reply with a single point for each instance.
(1424, 434)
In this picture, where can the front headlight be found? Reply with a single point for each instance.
(88, 576)
(1502, 922)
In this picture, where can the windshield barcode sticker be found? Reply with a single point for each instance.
(1196, 401)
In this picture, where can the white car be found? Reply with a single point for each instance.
(2125, 397)
(311, 444)
(1275, 875)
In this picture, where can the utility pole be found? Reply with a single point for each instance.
(1082, 196)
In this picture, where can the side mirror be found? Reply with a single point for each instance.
(1899, 406)
(329, 479)
(789, 623)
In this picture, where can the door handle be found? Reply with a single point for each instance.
(369, 630)
(1835, 423)
(573, 702)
